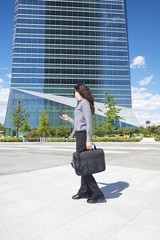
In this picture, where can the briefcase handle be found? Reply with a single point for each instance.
(94, 146)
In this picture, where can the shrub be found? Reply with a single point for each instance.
(33, 134)
(53, 132)
(63, 131)
(100, 132)
(157, 138)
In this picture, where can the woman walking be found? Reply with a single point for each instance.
(83, 131)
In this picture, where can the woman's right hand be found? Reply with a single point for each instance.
(65, 117)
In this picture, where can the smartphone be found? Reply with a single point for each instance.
(60, 115)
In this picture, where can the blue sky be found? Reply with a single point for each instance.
(144, 37)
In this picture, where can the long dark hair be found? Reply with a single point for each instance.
(86, 93)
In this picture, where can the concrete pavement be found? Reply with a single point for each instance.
(37, 182)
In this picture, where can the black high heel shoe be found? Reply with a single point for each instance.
(96, 200)
(77, 196)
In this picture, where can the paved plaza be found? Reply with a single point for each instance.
(37, 182)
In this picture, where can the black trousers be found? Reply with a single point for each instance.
(88, 186)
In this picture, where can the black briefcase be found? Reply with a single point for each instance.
(89, 162)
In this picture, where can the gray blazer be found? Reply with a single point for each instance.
(83, 118)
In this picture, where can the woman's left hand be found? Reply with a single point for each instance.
(89, 145)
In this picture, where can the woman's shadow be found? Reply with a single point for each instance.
(113, 190)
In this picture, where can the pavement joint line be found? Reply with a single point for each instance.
(22, 199)
(71, 147)
(151, 178)
(66, 223)
(68, 150)
(128, 222)
(32, 170)
(12, 148)
(56, 203)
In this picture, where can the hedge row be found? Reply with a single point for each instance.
(116, 139)
(61, 140)
(73, 140)
(96, 140)
(12, 139)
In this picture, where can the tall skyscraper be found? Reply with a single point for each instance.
(58, 44)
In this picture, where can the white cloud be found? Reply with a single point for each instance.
(8, 75)
(138, 62)
(146, 106)
(146, 81)
(1, 81)
(4, 93)
(4, 68)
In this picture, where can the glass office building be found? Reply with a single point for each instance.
(58, 44)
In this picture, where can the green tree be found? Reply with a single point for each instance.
(158, 131)
(112, 113)
(44, 126)
(1, 127)
(18, 116)
(26, 126)
(145, 131)
(150, 131)
(53, 132)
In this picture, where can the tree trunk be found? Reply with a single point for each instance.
(17, 132)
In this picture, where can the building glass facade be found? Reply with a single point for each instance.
(58, 44)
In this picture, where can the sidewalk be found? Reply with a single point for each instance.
(37, 205)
